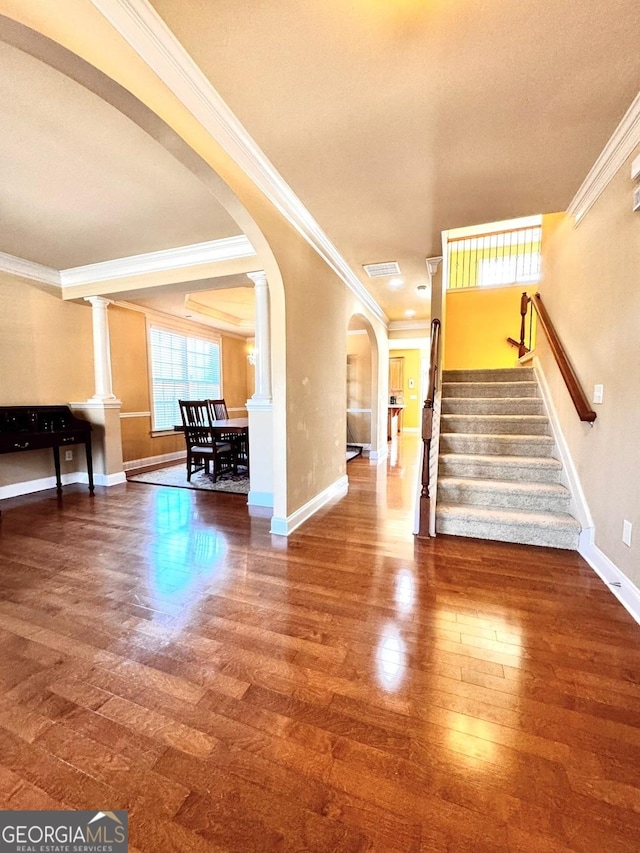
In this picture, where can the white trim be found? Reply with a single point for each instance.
(260, 499)
(285, 526)
(161, 458)
(28, 269)
(97, 404)
(578, 507)
(378, 455)
(145, 31)
(409, 325)
(103, 479)
(627, 592)
(196, 254)
(27, 487)
(623, 141)
(135, 415)
(359, 412)
(259, 405)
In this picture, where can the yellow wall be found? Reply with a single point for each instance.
(478, 323)
(479, 320)
(411, 414)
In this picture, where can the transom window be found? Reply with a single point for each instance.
(183, 367)
(490, 260)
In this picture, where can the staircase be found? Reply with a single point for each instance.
(498, 478)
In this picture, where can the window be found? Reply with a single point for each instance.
(182, 368)
(499, 258)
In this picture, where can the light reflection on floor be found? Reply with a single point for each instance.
(184, 561)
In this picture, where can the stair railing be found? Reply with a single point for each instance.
(427, 430)
(527, 305)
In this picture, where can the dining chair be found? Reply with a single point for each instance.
(218, 412)
(204, 453)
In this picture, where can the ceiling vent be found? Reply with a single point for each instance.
(382, 270)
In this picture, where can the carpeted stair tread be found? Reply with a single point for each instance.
(538, 468)
(497, 476)
(554, 530)
(492, 406)
(452, 390)
(528, 495)
(499, 374)
(494, 443)
(504, 424)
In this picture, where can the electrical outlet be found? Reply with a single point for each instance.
(626, 532)
(68, 455)
(598, 393)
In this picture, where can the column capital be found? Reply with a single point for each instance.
(433, 264)
(98, 301)
(258, 278)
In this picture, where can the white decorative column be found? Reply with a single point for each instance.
(263, 336)
(103, 408)
(260, 407)
(101, 348)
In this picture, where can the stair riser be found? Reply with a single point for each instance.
(489, 389)
(509, 374)
(487, 445)
(537, 474)
(502, 499)
(486, 424)
(524, 535)
(492, 406)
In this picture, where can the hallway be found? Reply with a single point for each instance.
(346, 689)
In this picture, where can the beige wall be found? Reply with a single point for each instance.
(46, 358)
(591, 287)
(310, 306)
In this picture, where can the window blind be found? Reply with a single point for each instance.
(182, 368)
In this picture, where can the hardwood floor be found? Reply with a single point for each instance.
(347, 689)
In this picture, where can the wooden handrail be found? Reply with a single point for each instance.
(433, 363)
(580, 401)
(427, 430)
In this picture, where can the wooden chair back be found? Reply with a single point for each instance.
(218, 410)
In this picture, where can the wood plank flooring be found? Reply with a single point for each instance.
(348, 689)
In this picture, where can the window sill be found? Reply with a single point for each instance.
(158, 433)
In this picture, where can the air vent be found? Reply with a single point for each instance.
(382, 270)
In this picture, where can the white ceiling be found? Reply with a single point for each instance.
(390, 119)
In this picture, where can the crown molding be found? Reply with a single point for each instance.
(196, 254)
(215, 314)
(620, 146)
(28, 269)
(409, 325)
(145, 31)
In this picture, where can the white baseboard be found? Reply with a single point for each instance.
(103, 479)
(260, 499)
(28, 487)
(617, 582)
(378, 455)
(176, 456)
(285, 526)
(578, 507)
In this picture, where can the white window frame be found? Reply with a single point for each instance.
(523, 268)
(198, 334)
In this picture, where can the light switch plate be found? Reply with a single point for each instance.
(598, 393)
(626, 532)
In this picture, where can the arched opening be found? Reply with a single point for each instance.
(362, 393)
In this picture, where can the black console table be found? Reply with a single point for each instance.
(37, 427)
